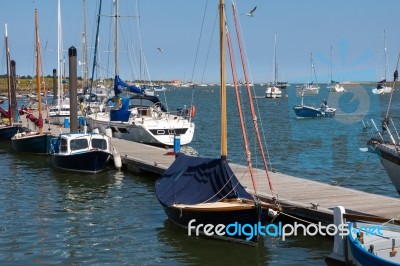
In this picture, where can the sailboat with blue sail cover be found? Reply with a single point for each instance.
(136, 116)
(196, 191)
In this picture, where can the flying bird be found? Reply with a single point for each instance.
(250, 14)
(159, 49)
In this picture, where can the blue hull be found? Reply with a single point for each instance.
(38, 144)
(86, 162)
(366, 258)
(311, 112)
(307, 111)
(6, 133)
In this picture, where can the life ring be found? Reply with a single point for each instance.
(192, 111)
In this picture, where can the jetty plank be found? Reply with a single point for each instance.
(303, 198)
(294, 193)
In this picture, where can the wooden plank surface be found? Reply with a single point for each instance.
(295, 194)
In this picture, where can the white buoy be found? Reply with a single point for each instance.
(96, 131)
(109, 132)
(117, 159)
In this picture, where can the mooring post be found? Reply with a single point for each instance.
(73, 89)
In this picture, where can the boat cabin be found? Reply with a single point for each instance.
(75, 143)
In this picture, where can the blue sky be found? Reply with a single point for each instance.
(353, 28)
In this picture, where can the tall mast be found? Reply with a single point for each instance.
(331, 66)
(116, 37)
(384, 44)
(8, 72)
(275, 67)
(95, 47)
(84, 51)
(224, 148)
(59, 55)
(39, 96)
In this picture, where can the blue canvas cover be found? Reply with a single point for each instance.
(120, 86)
(193, 180)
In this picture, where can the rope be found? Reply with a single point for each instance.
(340, 184)
(296, 218)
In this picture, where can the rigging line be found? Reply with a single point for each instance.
(209, 46)
(395, 77)
(250, 98)
(358, 169)
(244, 133)
(95, 49)
(198, 42)
(258, 108)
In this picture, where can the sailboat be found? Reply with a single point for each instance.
(309, 111)
(12, 126)
(334, 86)
(273, 91)
(136, 116)
(310, 87)
(381, 87)
(196, 191)
(387, 143)
(59, 110)
(34, 141)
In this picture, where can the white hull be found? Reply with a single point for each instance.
(383, 90)
(145, 130)
(393, 171)
(336, 88)
(273, 92)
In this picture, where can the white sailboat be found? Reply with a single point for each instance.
(381, 87)
(273, 91)
(310, 87)
(334, 86)
(136, 116)
(59, 109)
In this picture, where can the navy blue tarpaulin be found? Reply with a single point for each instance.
(193, 180)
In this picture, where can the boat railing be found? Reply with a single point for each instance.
(387, 126)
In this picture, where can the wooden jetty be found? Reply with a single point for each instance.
(302, 198)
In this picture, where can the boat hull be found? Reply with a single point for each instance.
(252, 216)
(390, 159)
(38, 144)
(7, 132)
(361, 256)
(310, 112)
(158, 135)
(383, 90)
(93, 161)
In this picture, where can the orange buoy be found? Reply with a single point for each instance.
(192, 111)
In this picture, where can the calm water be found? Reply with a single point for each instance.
(53, 217)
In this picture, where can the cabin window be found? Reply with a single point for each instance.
(99, 144)
(79, 144)
(63, 145)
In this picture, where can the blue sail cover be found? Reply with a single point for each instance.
(120, 86)
(193, 180)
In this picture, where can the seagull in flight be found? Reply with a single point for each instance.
(160, 50)
(250, 14)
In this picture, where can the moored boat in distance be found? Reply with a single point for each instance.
(308, 111)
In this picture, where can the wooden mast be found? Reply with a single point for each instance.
(38, 90)
(224, 148)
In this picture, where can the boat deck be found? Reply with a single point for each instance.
(302, 198)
